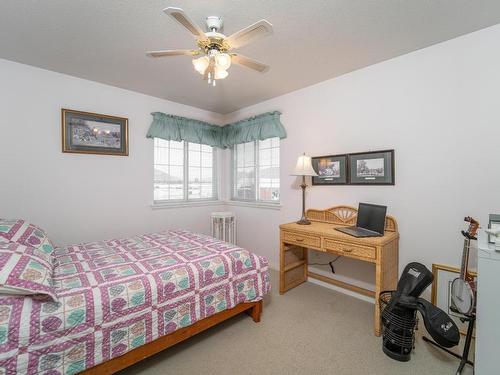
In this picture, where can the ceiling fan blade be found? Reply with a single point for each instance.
(181, 17)
(173, 52)
(250, 34)
(249, 63)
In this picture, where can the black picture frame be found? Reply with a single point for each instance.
(493, 223)
(371, 168)
(331, 170)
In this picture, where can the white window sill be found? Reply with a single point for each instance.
(179, 204)
(266, 205)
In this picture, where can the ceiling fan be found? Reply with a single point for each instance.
(214, 55)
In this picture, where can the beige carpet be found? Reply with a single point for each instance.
(309, 330)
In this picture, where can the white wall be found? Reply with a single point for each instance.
(81, 197)
(437, 107)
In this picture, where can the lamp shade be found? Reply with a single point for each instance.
(304, 167)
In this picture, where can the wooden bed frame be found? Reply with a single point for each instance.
(254, 309)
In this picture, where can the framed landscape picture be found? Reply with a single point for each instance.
(92, 133)
(331, 170)
(441, 292)
(372, 168)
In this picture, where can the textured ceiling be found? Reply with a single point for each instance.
(314, 40)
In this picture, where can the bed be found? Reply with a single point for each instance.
(119, 301)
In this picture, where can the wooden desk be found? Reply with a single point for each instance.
(295, 240)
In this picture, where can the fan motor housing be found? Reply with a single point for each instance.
(214, 41)
(214, 22)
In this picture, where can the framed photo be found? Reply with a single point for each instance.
(92, 133)
(371, 168)
(494, 223)
(441, 292)
(331, 170)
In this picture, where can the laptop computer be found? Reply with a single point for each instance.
(370, 221)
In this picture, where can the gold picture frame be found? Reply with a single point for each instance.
(93, 133)
(441, 298)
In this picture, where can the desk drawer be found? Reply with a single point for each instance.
(301, 239)
(350, 249)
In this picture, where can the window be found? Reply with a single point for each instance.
(256, 171)
(183, 171)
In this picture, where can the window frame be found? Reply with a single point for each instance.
(257, 200)
(185, 180)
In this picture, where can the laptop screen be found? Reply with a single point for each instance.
(371, 217)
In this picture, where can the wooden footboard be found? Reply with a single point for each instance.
(254, 309)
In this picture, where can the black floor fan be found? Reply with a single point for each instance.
(399, 315)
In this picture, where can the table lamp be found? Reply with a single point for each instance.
(304, 168)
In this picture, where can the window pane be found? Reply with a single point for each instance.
(266, 143)
(194, 174)
(249, 155)
(269, 172)
(176, 175)
(176, 157)
(161, 142)
(239, 155)
(207, 160)
(194, 158)
(265, 157)
(161, 155)
(161, 173)
(269, 183)
(200, 172)
(263, 186)
(275, 152)
(206, 175)
(194, 147)
(168, 170)
(249, 188)
(207, 190)
(194, 191)
(176, 145)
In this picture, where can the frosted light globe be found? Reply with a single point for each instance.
(223, 61)
(220, 73)
(201, 64)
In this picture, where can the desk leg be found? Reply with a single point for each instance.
(378, 284)
(282, 267)
(293, 266)
(386, 275)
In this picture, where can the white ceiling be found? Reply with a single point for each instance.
(314, 40)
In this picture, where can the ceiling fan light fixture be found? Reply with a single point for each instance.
(201, 64)
(223, 61)
(214, 54)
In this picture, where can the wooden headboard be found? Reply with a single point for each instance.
(345, 215)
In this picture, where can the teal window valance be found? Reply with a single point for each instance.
(176, 128)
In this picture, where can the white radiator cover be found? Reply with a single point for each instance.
(224, 226)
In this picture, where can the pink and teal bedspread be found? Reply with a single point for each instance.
(114, 296)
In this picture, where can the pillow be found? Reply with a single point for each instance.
(24, 270)
(26, 234)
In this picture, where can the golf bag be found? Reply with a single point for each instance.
(399, 315)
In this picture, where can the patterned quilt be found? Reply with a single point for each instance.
(116, 295)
